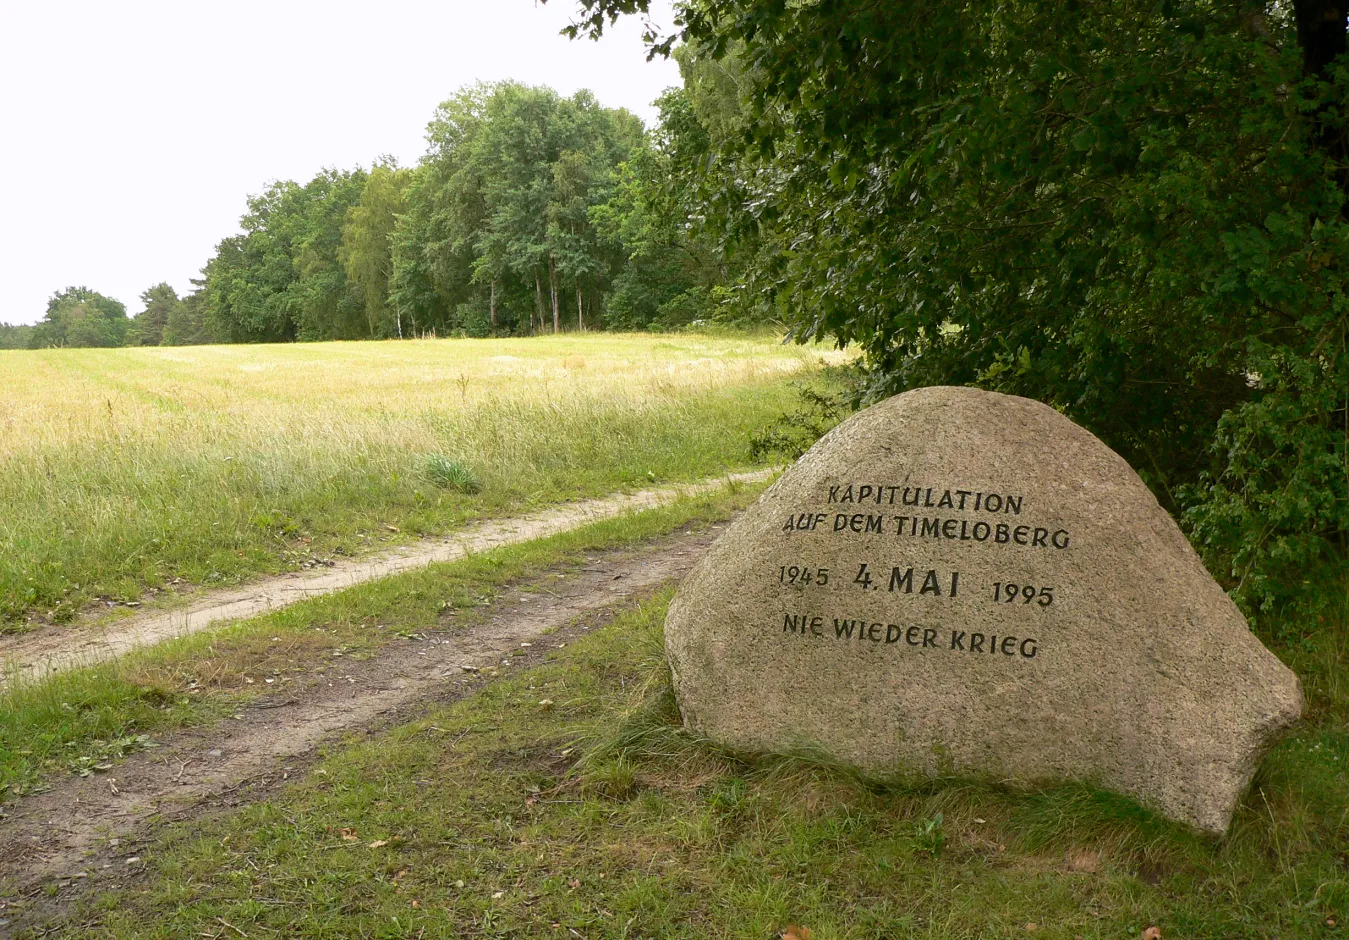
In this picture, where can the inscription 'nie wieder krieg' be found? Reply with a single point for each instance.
(975, 506)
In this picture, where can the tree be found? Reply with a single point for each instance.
(18, 336)
(520, 205)
(148, 325)
(1133, 211)
(366, 251)
(190, 322)
(434, 243)
(664, 268)
(78, 316)
(282, 278)
(499, 208)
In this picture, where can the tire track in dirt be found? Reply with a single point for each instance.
(34, 655)
(83, 831)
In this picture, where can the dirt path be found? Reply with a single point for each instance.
(54, 844)
(59, 648)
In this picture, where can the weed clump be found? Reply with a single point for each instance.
(451, 474)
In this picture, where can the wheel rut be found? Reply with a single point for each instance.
(53, 845)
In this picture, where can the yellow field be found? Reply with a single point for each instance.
(125, 468)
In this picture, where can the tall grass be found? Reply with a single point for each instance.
(128, 468)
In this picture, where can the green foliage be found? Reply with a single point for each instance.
(101, 754)
(80, 317)
(190, 323)
(282, 279)
(1134, 212)
(15, 337)
(530, 212)
(824, 400)
(499, 212)
(671, 269)
(929, 836)
(366, 251)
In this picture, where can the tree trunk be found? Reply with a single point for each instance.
(552, 287)
(538, 302)
(1321, 34)
(1321, 26)
(494, 303)
(580, 313)
(398, 320)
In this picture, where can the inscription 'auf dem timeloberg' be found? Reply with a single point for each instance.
(937, 527)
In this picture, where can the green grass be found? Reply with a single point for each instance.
(597, 816)
(79, 720)
(123, 470)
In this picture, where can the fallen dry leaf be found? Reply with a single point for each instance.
(348, 835)
(1152, 933)
(793, 932)
(391, 528)
(379, 843)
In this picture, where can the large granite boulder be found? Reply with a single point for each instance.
(957, 581)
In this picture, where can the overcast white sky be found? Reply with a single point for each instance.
(132, 132)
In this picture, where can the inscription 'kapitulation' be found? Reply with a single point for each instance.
(962, 500)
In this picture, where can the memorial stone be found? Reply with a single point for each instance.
(957, 581)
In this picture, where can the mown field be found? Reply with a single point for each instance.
(123, 470)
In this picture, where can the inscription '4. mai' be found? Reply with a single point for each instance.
(901, 581)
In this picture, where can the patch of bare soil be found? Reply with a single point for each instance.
(86, 830)
(58, 648)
